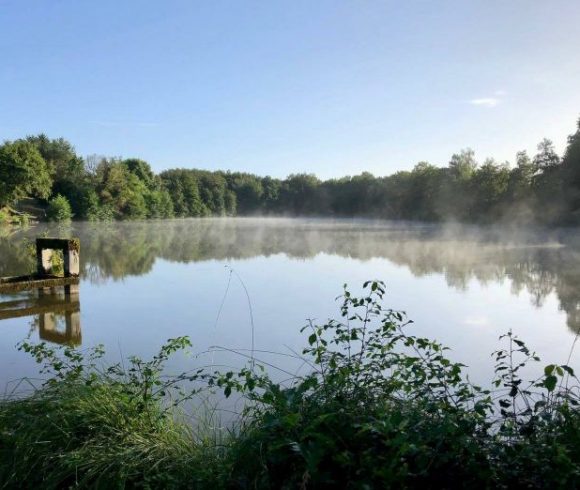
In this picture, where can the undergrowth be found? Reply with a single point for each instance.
(379, 408)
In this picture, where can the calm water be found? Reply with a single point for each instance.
(142, 283)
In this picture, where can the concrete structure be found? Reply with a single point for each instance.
(44, 277)
(70, 248)
(57, 303)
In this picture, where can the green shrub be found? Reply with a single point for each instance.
(59, 209)
(383, 409)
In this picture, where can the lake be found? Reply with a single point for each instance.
(246, 283)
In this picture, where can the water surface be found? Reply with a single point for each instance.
(145, 282)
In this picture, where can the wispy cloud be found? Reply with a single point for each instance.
(485, 101)
(492, 101)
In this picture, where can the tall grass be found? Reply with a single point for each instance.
(380, 408)
(95, 436)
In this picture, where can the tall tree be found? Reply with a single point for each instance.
(548, 184)
(60, 157)
(23, 172)
(248, 190)
(455, 198)
(426, 184)
(546, 158)
(571, 175)
(69, 175)
(121, 190)
(490, 185)
(271, 194)
(462, 165)
(299, 193)
(142, 170)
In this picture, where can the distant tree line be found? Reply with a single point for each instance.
(543, 188)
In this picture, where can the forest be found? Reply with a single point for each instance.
(542, 189)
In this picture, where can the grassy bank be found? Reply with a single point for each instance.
(9, 216)
(379, 408)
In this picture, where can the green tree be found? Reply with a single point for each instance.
(521, 177)
(60, 157)
(426, 183)
(183, 187)
(548, 184)
(462, 165)
(212, 190)
(248, 190)
(300, 194)
(351, 196)
(546, 158)
(142, 170)
(520, 196)
(271, 196)
(121, 190)
(159, 204)
(66, 167)
(397, 194)
(455, 197)
(23, 172)
(490, 185)
(59, 209)
(230, 203)
(571, 175)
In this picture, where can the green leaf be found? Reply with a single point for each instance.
(568, 369)
(550, 382)
(549, 369)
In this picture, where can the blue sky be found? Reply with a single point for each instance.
(330, 87)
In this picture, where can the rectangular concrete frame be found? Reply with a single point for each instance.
(70, 250)
(69, 306)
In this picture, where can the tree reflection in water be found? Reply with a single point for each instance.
(537, 261)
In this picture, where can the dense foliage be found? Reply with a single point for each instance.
(58, 209)
(23, 172)
(380, 408)
(544, 188)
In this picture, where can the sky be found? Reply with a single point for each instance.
(279, 87)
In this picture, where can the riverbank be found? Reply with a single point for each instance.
(378, 408)
(12, 217)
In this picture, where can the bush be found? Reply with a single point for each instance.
(59, 209)
(385, 409)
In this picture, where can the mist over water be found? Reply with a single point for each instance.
(145, 282)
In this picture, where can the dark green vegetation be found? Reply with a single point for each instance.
(543, 189)
(380, 408)
(59, 209)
